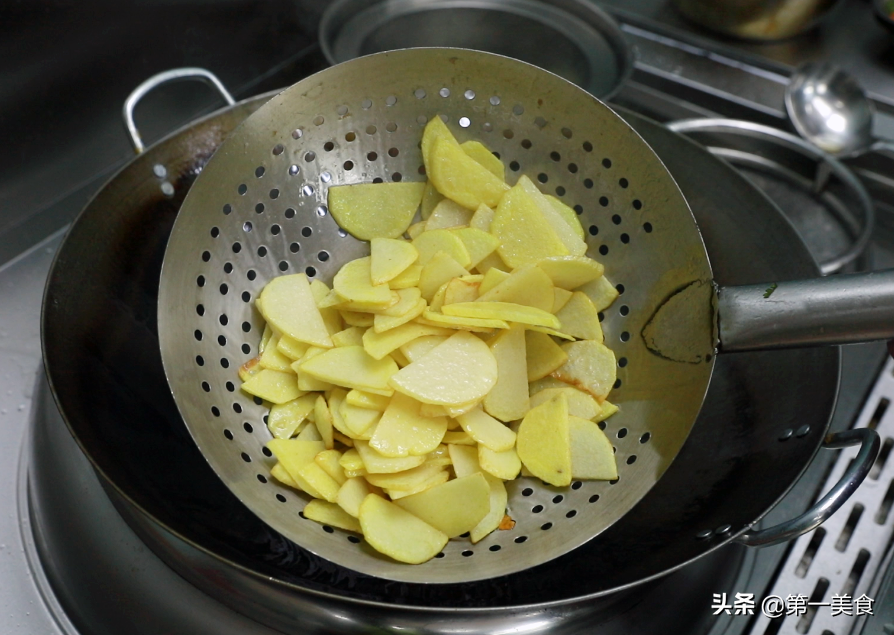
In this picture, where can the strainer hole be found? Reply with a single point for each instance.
(560, 191)
(372, 156)
(603, 249)
(228, 434)
(614, 482)
(351, 136)
(278, 149)
(322, 210)
(593, 230)
(259, 208)
(601, 425)
(323, 256)
(230, 386)
(297, 133)
(421, 120)
(647, 227)
(199, 359)
(622, 433)
(616, 219)
(520, 540)
(527, 491)
(623, 183)
(391, 127)
(444, 92)
(601, 316)
(593, 498)
(266, 451)
(328, 529)
(588, 183)
(228, 267)
(247, 226)
(370, 130)
(494, 101)
(237, 247)
(603, 200)
(464, 122)
(206, 386)
(624, 310)
(514, 166)
(421, 170)
(306, 232)
(396, 177)
(281, 498)
(606, 163)
(294, 169)
(262, 478)
(576, 485)
(622, 362)
(215, 411)
(227, 209)
(251, 274)
(620, 288)
(546, 526)
(206, 256)
(200, 309)
(518, 109)
(494, 548)
(262, 251)
(242, 189)
(508, 134)
(572, 167)
(342, 110)
(311, 272)
(348, 165)
(283, 265)
(625, 238)
(542, 177)
(558, 499)
(578, 209)
(390, 100)
(259, 171)
(625, 336)
(215, 232)
(319, 120)
(224, 289)
(526, 144)
(555, 156)
(275, 229)
(223, 319)
(440, 555)
(536, 509)
(587, 146)
(294, 247)
(222, 340)
(247, 427)
(353, 539)
(631, 459)
(366, 104)
(487, 126)
(309, 156)
(637, 204)
(246, 349)
(571, 514)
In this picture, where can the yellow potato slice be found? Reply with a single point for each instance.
(591, 367)
(484, 157)
(435, 479)
(461, 322)
(462, 290)
(351, 336)
(502, 311)
(323, 421)
(601, 292)
(431, 410)
(397, 533)
(430, 199)
(492, 278)
(608, 409)
(508, 399)
(438, 271)
(249, 369)
(407, 279)
(389, 258)
(544, 355)
(580, 404)
(379, 345)
(460, 178)
(454, 507)
(464, 459)
(486, 430)
(305, 381)
(273, 359)
(406, 302)
(356, 318)
(544, 442)
(351, 494)
(415, 229)
(580, 318)
(403, 431)
(407, 479)
(281, 474)
(480, 244)
(434, 129)
(289, 307)
(504, 465)
(525, 235)
(482, 218)
(319, 481)
(274, 386)
(569, 236)
(383, 323)
(527, 285)
(570, 272)
(352, 367)
(430, 243)
(328, 461)
(294, 454)
(548, 331)
(332, 515)
(497, 498)
(309, 433)
(375, 210)
(293, 349)
(367, 400)
(375, 463)
(266, 335)
(491, 261)
(568, 215)
(560, 298)
(353, 282)
(461, 409)
(421, 345)
(285, 419)
(358, 421)
(592, 455)
(448, 214)
(350, 461)
(458, 371)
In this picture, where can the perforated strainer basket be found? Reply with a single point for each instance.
(258, 210)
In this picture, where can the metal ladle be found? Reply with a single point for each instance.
(830, 109)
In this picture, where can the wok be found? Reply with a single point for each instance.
(100, 347)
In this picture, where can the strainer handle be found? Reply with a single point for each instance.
(155, 81)
(833, 500)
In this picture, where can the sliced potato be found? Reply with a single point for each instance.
(383, 323)
(389, 258)
(568, 215)
(430, 199)
(407, 279)
(358, 421)
(398, 533)
(332, 515)
(601, 292)
(403, 431)
(486, 430)
(463, 322)
(293, 455)
(525, 235)
(570, 272)
(480, 244)
(497, 501)
(375, 210)
(479, 152)
(289, 306)
(422, 345)
(379, 345)
(435, 479)
(319, 481)
(461, 178)
(580, 403)
(560, 298)
(448, 214)
(273, 359)
(354, 282)
(591, 367)
(482, 218)
(438, 271)
(454, 507)
(492, 278)
(351, 494)
(569, 236)
(274, 386)
(323, 422)
(351, 336)
(543, 355)
(375, 463)
(352, 367)
(464, 459)
(544, 442)
(508, 399)
(527, 285)
(507, 311)
(407, 479)
(504, 465)
(592, 455)
(462, 290)
(580, 318)
(430, 243)
(285, 419)
(367, 400)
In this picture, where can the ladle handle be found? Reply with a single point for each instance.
(833, 500)
(841, 309)
(163, 78)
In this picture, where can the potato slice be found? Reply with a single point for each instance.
(592, 455)
(351, 336)
(591, 367)
(454, 507)
(356, 318)
(351, 494)
(358, 421)
(480, 244)
(403, 431)
(461, 178)
(448, 214)
(389, 258)
(461, 322)
(544, 442)
(462, 290)
(274, 386)
(484, 157)
(350, 461)
(569, 236)
(486, 430)
(430, 243)
(492, 278)
(580, 404)
(289, 306)
(421, 345)
(607, 410)
(284, 420)
(353, 282)
(601, 292)
(375, 210)
(458, 371)
(407, 279)
(508, 399)
(332, 515)
(407, 479)
(464, 459)
(305, 381)
(482, 218)
(497, 498)
(293, 455)
(328, 461)
(525, 235)
(560, 298)
(379, 345)
(507, 311)
(323, 421)
(527, 285)
(570, 272)
(437, 272)
(352, 367)
(293, 349)
(367, 400)
(504, 465)
(435, 479)
(568, 215)
(430, 199)
(396, 532)
(431, 410)
(383, 323)
(375, 463)
(273, 359)
(580, 318)
(282, 475)
(415, 229)
(406, 302)
(309, 433)
(434, 129)
(249, 369)
(491, 261)
(544, 355)
(319, 481)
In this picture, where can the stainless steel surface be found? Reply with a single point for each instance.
(573, 38)
(756, 19)
(839, 494)
(823, 199)
(161, 79)
(378, 105)
(840, 309)
(829, 108)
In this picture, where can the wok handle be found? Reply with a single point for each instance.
(158, 80)
(839, 309)
(831, 502)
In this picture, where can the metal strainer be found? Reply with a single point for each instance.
(258, 210)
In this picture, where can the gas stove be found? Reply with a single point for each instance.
(681, 72)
